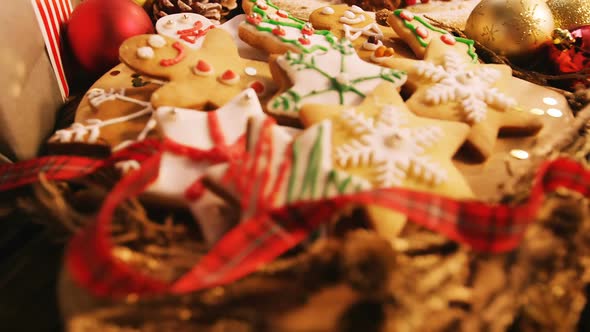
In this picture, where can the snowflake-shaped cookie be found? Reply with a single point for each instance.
(448, 86)
(393, 150)
(337, 77)
(471, 87)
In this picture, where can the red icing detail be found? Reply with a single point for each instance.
(411, 2)
(254, 19)
(306, 30)
(228, 75)
(278, 31)
(406, 15)
(448, 39)
(203, 66)
(258, 87)
(196, 26)
(282, 13)
(193, 34)
(422, 32)
(195, 191)
(304, 41)
(179, 57)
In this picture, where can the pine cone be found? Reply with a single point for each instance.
(211, 9)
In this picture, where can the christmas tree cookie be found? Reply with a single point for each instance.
(449, 86)
(276, 31)
(373, 42)
(204, 78)
(336, 77)
(382, 142)
(279, 169)
(418, 32)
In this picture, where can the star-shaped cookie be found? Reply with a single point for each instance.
(449, 86)
(382, 142)
(202, 79)
(336, 77)
(195, 140)
(373, 42)
(418, 32)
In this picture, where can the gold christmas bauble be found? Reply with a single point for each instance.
(570, 14)
(513, 28)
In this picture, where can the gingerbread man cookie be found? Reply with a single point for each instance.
(276, 31)
(203, 79)
(449, 86)
(417, 32)
(337, 76)
(382, 142)
(372, 41)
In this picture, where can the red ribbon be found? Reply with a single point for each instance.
(259, 240)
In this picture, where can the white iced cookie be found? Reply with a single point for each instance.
(189, 28)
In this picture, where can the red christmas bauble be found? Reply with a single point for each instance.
(97, 28)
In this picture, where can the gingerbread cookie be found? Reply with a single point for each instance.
(111, 115)
(382, 142)
(276, 31)
(449, 86)
(336, 77)
(418, 32)
(372, 41)
(215, 71)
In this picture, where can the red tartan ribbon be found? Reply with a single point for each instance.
(69, 167)
(483, 226)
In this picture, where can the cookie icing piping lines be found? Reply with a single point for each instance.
(90, 131)
(332, 75)
(394, 151)
(295, 31)
(471, 88)
(421, 31)
(352, 34)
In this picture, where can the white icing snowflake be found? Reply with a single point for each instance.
(394, 151)
(472, 89)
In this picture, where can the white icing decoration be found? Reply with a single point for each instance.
(311, 75)
(351, 18)
(184, 19)
(126, 166)
(145, 52)
(368, 30)
(169, 24)
(191, 128)
(356, 9)
(472, 89)
(90, 131)
(250, 71)
(180, 23)
(327, 10)
(156, 41)
(372, 47)
(393, 150)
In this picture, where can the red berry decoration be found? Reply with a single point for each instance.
(97, 28)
